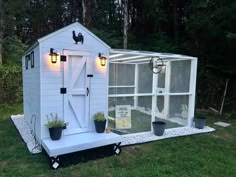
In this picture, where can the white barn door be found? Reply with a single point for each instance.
(76, 100)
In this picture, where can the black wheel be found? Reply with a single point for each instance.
(117, 149)
(55, 162)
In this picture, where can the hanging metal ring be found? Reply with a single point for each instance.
(156, 64)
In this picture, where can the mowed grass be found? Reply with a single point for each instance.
(205, 155)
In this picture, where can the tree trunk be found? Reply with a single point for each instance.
(88, 11)
(125, 37)
(175, 19)
(84, 11)
(223, 101)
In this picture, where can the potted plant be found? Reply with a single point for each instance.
(100, 122)
(200, 122)
(159, 127)
(55, 126)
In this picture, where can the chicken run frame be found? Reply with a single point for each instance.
(167, 94)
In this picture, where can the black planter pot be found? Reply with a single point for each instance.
(159, 127)
(200, 122)
(55, 133)
(100, 126)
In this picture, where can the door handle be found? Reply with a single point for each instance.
(87, 91)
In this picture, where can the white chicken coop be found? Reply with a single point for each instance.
(64, 74)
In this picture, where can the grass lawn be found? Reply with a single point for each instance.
(205, 155)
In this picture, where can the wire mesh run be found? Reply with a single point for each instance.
(138, 96)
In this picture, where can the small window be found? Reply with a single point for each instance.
(26, 61)
(32, 59)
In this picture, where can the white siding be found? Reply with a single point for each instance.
(31, 92)
(64, 40)
(52, 74)
(51, 82)
(99, 94)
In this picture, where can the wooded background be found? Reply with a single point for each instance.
(202, 28)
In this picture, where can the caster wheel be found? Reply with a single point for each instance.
(55, 162)
(117, 149)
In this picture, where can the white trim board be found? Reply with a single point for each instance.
(149, 53)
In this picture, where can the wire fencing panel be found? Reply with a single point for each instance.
(132, 85)
(122, 81)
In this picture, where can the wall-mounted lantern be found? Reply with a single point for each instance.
(103, 59)
(53, 55)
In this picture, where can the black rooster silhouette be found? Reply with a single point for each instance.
(78, 38)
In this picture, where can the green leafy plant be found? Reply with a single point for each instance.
(55, 121)
(99, 116)
(10, 84)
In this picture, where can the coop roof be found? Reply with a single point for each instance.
(135, 56)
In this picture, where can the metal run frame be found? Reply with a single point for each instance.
(122, 56)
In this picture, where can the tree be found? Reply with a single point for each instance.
(11, 20)
(201, 28)
(210, 40)
(1, 30)
(88, 12)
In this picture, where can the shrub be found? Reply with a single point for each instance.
(99, 116)
(10, 84)
(55, 121)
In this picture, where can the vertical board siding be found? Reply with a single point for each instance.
(31, 93)
(52, 74)
(51, 82)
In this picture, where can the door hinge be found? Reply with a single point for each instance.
(63, 90)
(63, 58)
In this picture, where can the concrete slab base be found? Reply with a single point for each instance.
(222, 124)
